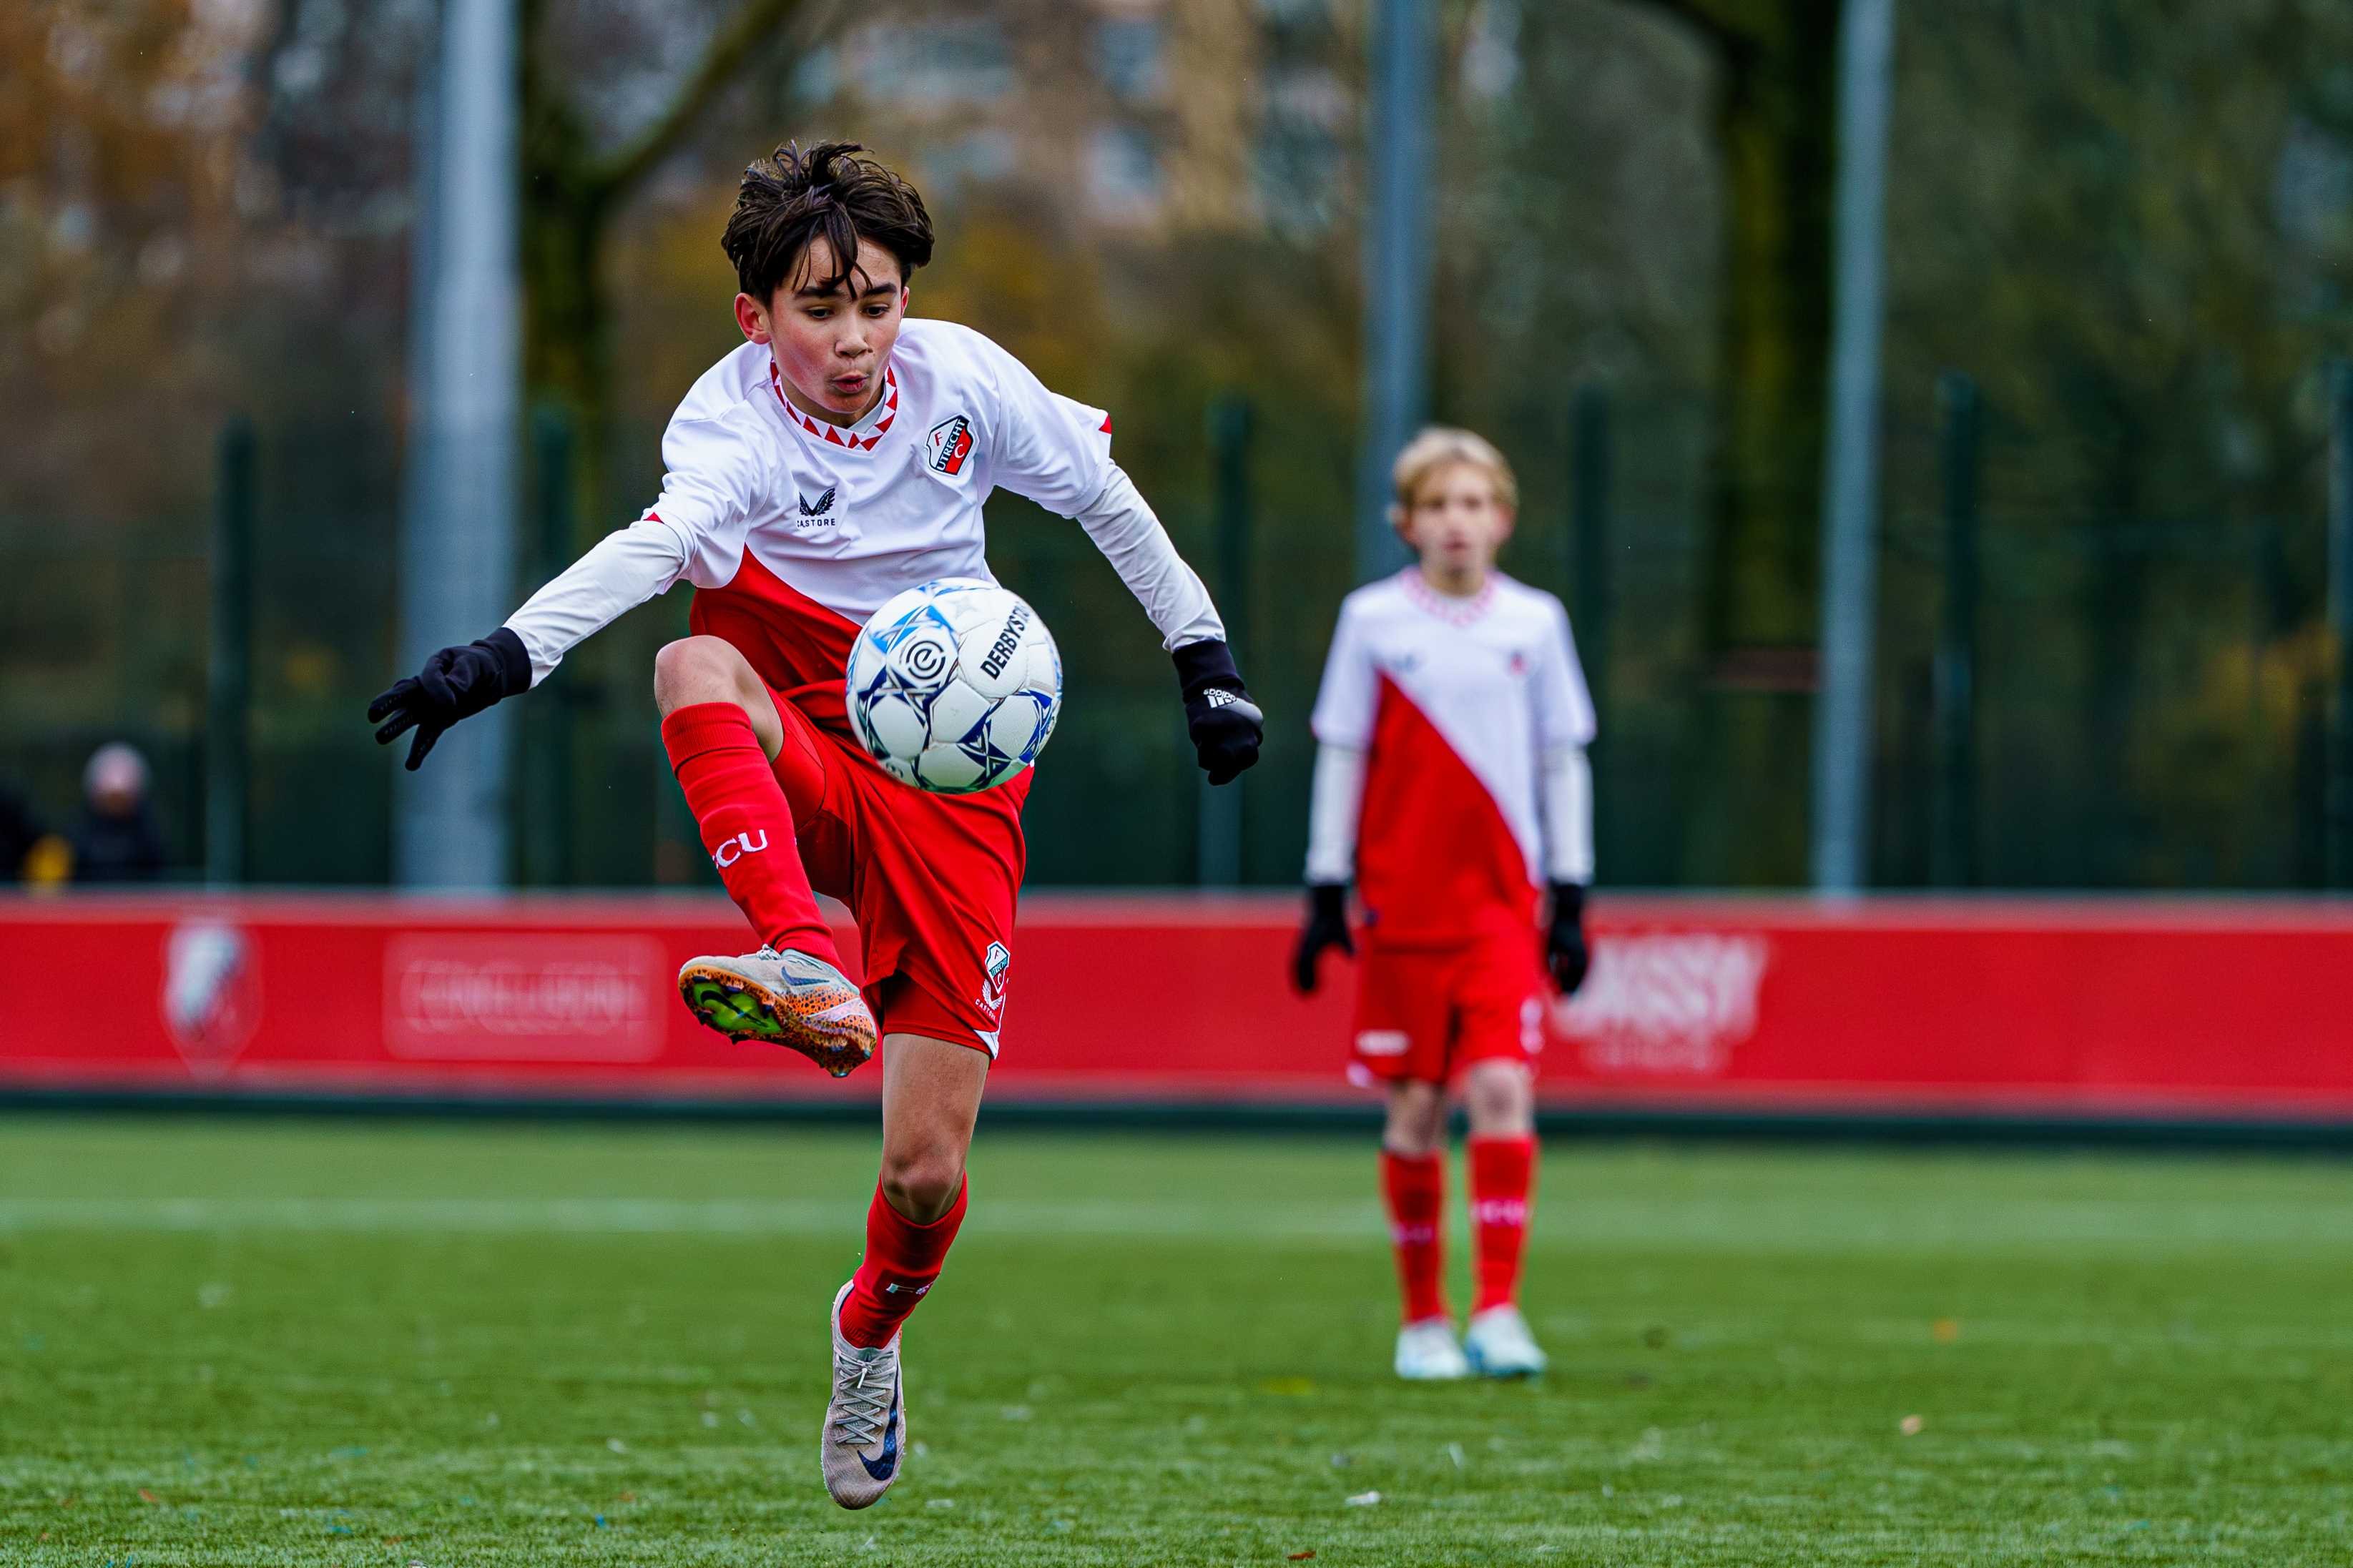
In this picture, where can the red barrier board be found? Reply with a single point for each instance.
(1901, 1006)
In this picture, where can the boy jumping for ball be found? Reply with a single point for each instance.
(839, 455)
(1450, 780)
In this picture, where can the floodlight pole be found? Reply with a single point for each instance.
(458, 510)
(1396, 268)
(1842, 803)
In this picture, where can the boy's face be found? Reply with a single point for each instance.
(1456, 521)
(830, 344)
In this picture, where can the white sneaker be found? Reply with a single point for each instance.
(866, 1423)
(1426, 1351)
(1499, 1344)
(786, 999)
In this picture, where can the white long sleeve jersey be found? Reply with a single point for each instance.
(1451, 776)
(840, 519)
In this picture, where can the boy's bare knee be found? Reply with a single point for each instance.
(922, 1185)
(1500, 1098)
(698, 669)
(1416, 1119)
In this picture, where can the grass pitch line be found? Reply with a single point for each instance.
(1753, 1227)
(660, 1216)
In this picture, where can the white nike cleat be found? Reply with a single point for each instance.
(786, 999)
(1427, 1351)
(866, 1423)
(1499, 1344)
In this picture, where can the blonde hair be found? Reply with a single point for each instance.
(1438, 445)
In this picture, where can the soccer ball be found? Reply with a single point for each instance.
(955, 685)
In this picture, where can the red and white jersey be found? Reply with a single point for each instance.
(823, 524)
(850, 516)
(1455, 705)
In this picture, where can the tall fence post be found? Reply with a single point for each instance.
(545, 833)
(1952, 845)
(1589, 543)
(1396, 268)
(2338, 795)
(1221, 808)
(228, 669)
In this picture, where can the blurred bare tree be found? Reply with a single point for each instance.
(610, 90)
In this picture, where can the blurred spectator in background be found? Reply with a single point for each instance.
(28, 851)
(116, 840)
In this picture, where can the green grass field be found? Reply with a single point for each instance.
(274, 1342)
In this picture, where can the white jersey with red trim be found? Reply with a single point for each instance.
(849, 516)
(1456, 705)
(852, 515)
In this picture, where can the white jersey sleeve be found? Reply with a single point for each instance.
(1053, 449)
(624, 569)
(1564, 728)
(1121, 522)
(721, 477)
(1334, 804)
(1346, 703)
(1564, 709)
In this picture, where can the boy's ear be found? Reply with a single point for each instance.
(753, 317)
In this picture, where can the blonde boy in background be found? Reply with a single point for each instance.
(1452, 783)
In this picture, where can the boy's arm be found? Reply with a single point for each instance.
(621, 572)
(703, 504)
(1332, 809)
(1057, 452)
(1565, 797)
(1343, 724)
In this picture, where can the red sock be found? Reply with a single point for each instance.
(1416, 1189)
(746, 824)
(902, 1258)
(1502, 1174)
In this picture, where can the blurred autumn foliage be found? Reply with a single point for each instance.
(2130, 221)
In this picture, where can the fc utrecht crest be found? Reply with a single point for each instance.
(950, 443)
(992, 990)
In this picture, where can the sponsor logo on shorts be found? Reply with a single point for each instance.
(741, 846)
(1382, 1042)
(992, 989)
(949, 444)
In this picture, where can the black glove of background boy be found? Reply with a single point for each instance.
(1566, 953)
(1327, 926)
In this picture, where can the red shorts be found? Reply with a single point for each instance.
(931, 879)
(1428, 1013)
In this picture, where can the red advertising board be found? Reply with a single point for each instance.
(2167, 1009)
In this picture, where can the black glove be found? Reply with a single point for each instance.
(456, 683)
(1225, 725)
(1327, 926)
(1566, 953)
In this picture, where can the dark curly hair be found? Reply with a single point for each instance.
(791, 198)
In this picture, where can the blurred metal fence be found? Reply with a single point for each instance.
(2140, 702)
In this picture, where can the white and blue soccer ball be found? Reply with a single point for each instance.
(955, 685)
